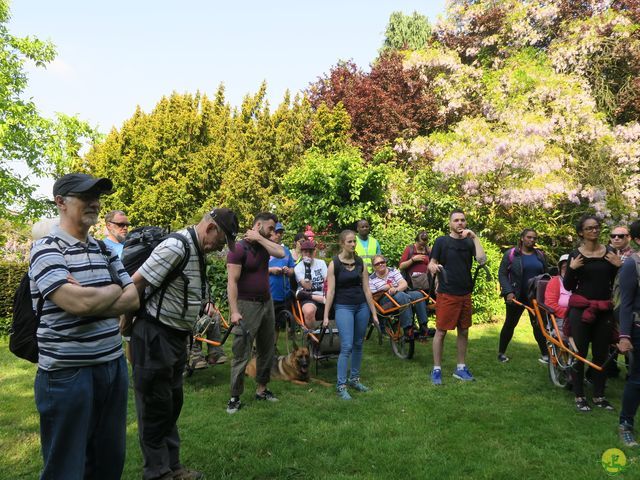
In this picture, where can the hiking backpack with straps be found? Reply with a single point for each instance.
(23, 340)
(138, 246)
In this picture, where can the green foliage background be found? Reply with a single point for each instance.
(400, 145)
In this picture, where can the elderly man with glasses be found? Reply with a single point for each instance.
(117, 225)
(79, 288)
(385, 280)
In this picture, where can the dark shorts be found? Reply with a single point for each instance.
(319, 308)
(453, 311)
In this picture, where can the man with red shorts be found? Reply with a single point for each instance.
(454, 254)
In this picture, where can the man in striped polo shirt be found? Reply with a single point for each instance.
(81, 384)
(160, 333)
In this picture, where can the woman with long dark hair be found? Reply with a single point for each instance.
(592, 270)
(348, 290)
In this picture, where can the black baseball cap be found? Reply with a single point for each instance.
(81, 183)
(228, 222)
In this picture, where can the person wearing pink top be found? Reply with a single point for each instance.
(556, 296)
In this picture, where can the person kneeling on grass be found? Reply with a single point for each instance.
(310, 275)
(389, 280)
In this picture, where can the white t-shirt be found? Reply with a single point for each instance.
(318, 270)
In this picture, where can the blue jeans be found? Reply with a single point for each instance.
(83, 413)
(406, 315)
(352, 321)
(631, 394)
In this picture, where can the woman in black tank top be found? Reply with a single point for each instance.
(348, 290)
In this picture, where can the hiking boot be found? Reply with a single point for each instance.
(436, 377)
(625, 432)
(503, 358)
(266, 395)
(342, 392)
(544, 359)
(187, 474)
(234, 405)
(463, 374)
(355, 383)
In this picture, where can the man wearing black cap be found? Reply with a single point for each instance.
(159, 337)
(80, 288)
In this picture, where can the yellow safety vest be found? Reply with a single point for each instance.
(368, 254)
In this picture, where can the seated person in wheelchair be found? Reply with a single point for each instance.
(311, 274)
(389, 280)
(557, 297)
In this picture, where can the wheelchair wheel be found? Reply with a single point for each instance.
(403, 347)
(560, 367)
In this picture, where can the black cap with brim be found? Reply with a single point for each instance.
(81, 183)
(228, 221)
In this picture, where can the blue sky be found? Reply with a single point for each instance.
(115, 55)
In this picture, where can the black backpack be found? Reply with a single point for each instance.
(23, 340)
(138, 246)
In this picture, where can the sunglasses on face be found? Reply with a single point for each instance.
(121, 225)
(618, 235)
(377, 264)
(592, 228)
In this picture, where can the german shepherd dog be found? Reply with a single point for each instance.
(293, 367)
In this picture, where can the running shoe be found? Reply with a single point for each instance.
(503, 358)
(266, 395)
(436, 377)
(625, 432)
(544, 359)
(342, 392)
(355, 383)
(463, 374)
(234, 405)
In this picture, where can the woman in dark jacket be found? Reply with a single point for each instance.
(592, 269)
(519, 265)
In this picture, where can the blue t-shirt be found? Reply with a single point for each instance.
(531, 267)
(114, 246)
(280, 285)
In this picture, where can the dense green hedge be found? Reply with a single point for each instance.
(11, 273)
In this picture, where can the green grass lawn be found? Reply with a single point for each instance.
(510, 423)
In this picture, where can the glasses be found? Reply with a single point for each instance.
(121, 224)
(377, 264)
(618, 235)
(592, 228)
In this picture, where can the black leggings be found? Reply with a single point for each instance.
(514, 312)
(598, 334)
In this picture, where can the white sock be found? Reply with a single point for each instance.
(437, 367)
(461, 366)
